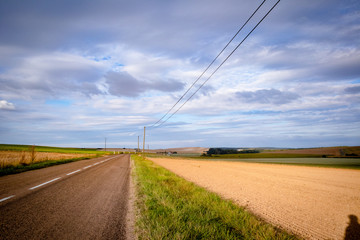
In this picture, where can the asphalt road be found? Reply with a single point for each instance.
(80, 200)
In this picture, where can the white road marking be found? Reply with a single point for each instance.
(4, 199)
(45, 183)
(73, 172)
(7, 198)
(97, 163)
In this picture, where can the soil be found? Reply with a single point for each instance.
(312, 202)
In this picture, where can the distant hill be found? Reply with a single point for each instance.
(328, 151)
(197, 150)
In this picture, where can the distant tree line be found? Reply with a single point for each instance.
(220, 151)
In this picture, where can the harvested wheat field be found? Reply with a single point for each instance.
(312, 202)
(14, 158)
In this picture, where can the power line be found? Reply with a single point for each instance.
(208, 66)
(221, 63)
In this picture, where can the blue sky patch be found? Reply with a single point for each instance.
(58, 102)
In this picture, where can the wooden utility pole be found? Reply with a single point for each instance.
(138, 149)
(144, 142)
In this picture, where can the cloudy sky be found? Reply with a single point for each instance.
(75, 72)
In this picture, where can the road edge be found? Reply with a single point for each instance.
(131, 213)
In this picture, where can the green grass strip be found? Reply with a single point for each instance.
(172, 208)
(264, 155)
(344, 163)
(23, 168)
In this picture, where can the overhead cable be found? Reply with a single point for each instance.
(208, 66)
(220, 64)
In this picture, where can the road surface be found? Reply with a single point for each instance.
(81, 200)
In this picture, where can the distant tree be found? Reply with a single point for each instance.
(219, 151)
(249, 151)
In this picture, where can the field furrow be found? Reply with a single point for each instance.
(313, 202)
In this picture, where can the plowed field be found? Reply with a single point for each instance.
(312, 202)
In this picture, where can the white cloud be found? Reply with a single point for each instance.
(5, 105)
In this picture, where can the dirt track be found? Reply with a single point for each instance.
(312, 202)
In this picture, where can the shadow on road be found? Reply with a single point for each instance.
(352, 231)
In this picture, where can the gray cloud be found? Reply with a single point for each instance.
(177, 27)
(343, 67)
(123, 84)
(52, 74)
(353, 90)
(267, 96)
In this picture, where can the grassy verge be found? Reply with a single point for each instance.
(172, 208)
(37, 165)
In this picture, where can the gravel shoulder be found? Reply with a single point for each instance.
(312, 202)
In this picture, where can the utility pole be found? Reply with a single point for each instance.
(138, 149)
(144, 141)
(105, 144)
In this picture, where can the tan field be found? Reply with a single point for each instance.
(13, 158)
(312, 202)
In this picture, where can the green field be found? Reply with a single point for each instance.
(353, 163)
(277, 158)
(263, 155)
(11, 147)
